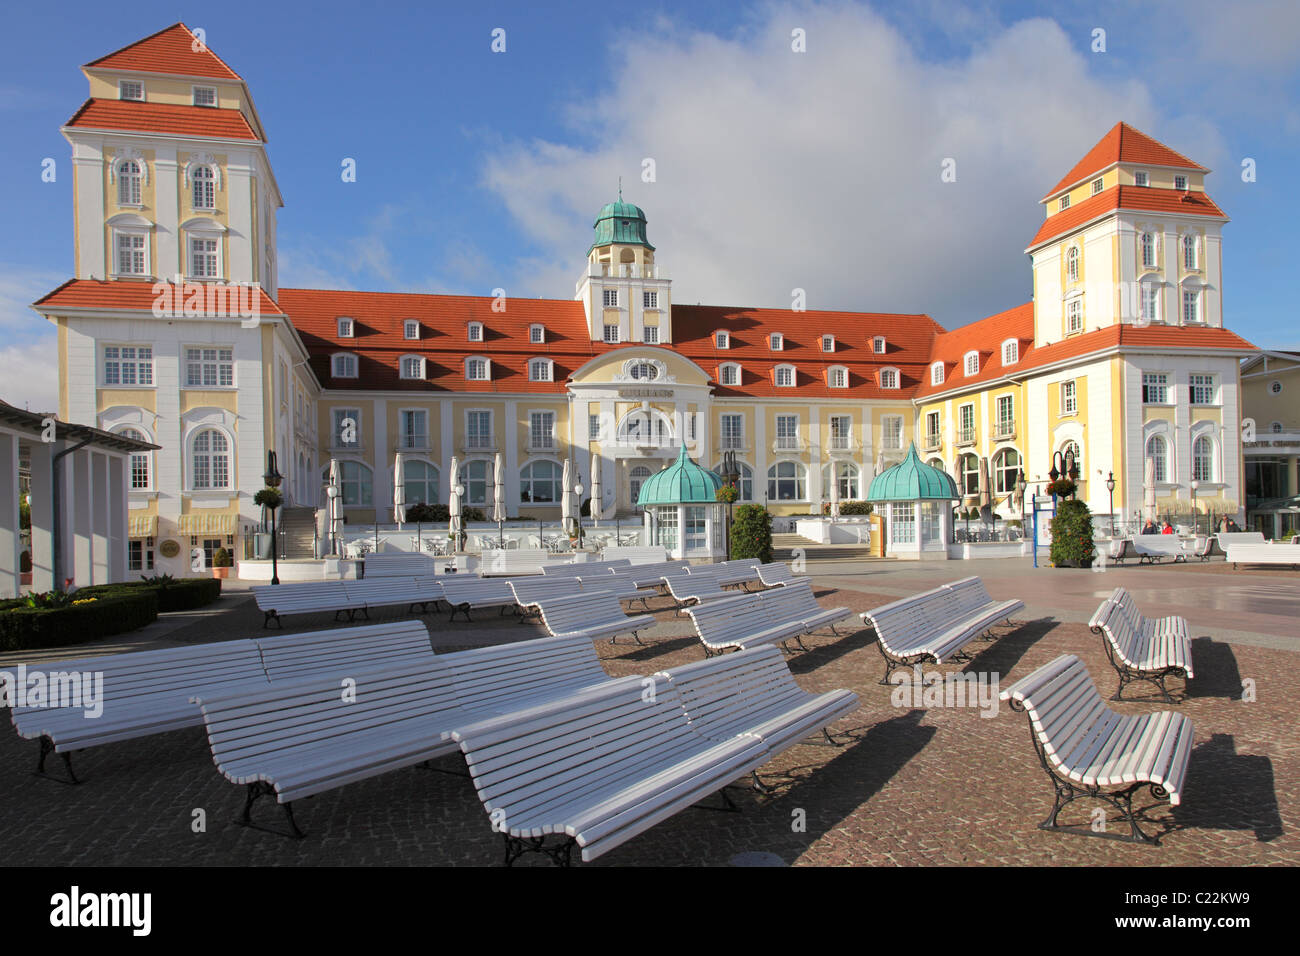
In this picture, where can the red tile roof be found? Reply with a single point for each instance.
(171, 51)
(119, 294)
(1123, 144)
(1138, 198)
(167, 118)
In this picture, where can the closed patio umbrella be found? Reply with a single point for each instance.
(566, 495)
(1149, 488)
(334, 493)
(499, 497)
(986, 488)
(453, 505)
(835, 490)
(597, 508)
(399, 491)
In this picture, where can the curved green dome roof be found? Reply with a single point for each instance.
(682, 482)
(620, 222)
(912, 480)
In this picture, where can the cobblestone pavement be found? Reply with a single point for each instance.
(908, 786)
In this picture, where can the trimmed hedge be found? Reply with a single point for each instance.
(751, 533)
(24, 628)
(182, 594)
(1072, 544)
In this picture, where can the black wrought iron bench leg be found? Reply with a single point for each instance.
(259, 789)
(559, 853)
(47, 748)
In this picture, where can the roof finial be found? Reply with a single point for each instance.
(620, 189)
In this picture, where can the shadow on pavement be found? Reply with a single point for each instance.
(1226, 790)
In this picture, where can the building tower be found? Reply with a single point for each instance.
(624, 294)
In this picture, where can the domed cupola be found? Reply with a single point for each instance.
(620, 223)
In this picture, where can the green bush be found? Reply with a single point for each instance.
(1072, 545)
(222, 559)
(23, 628)
(24, 514)
(440, 514)
(177, 594)
(751, 533)
(855, 507)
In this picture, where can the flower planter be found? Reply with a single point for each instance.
(220, 572)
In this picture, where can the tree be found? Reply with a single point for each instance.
(1072, 545)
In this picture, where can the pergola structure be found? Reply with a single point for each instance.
(79, 481)
(915, 500)
(682, 513)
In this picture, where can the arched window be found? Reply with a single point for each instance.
(1072, 264)
(1148, 245)
(476, 476)
(1189, 251)
(847, 475)
(129, 177)
(644, 372)
(355, 486)
(1070, 449)
(635, 478)
(968, 474)
(540, 481)
(785, 376)
(1006, 469)
(421, 481)
(787, 481)
(141, 461)
(837, 376)
(646, 427)
(1203, 459)
(1158, 451)
(209, 460)
(204, 183)
(745, 483)
(729, 374)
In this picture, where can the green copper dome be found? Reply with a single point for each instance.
(912, 480)
(620, 222)
(682, 482)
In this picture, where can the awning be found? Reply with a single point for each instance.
(142, 526)
(207, 524)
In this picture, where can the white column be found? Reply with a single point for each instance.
(508, 435)
(167, 237)
(101, 503)
(77, 509)
(383, 476)
(10, 548)
(42, 517)
(117, 511)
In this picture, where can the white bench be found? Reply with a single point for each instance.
(397, 564)
(753, 692)
(1086, 748)
(935, 625)
(506, 677)
(696, 588)
(390, 592)
(636, 555)
(1154, 548)
(1240, 537)
(727, 573)
(465, 593)
(775, 574)
(343, 651)
(761, 617)
(596, 769)
(277, 600)
(499, 563)
(593, 614)
(144, 692)
(1142, 649)
(1287, 555)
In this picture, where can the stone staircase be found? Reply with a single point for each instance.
(783, 546)
(297, 525)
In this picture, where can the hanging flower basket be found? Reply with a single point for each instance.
(1061, 487)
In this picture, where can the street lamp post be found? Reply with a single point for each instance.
(730, 475)
(273, 479)
(456, 542)
(1110, 489)
(577, 519)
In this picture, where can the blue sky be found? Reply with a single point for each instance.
(774, 170)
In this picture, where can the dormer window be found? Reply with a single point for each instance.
(1065, 202)
(722, 339)
(1180, 183)
(346, 329)
(776, 342)
(837, 376)
(130, 90)
(343, 365)
(536, 334)
(412, 366)
(936, 373)
(878, 345)
(971, 363)
(205, 96)
(828, 343)
(1097, 186)
(889, 378)
(477, 369)
(785, 376)
(411, 329)
(1010, 352)
(540, 370)
(1140, 178)
(476, 331)
(729, 374)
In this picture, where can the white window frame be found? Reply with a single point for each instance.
(1211, 473)
(593, 427)
(970, 364)
(889, 378)
(192, 461)
(1203, 380)
(1010, 352)
(484, 443)
(346, 328)
(609, 298)
(891, 432)
(418, 361)
(1098, 185)
(212, 179)
(335, 365)
(140, 178)
(1192, 298)
(777, 376)
(337, 415)
(215, 256)
(650, 299)
(1163, 384)
(144, 251)
(775, 342)
(541, 370)
(732, 441)
(611, 333)
(878, 345)
(1142, 250)
(1181, 183)
(1065, 203)
(936, 373)
(650, 334)
(1141, 177)
(470, 361)
(410, 326)
(536, 334)
(1190, 247)
(1069, 399)
(548, 441)
(1149, 303)
(789, 424)
(474, 332)
(138, 363)
(1072, 257)
(1074, 315)
(122, 87)
(722, 339)
(828, 343)
(837, 376)
(726, 367)
(194, 96)
(411, 440)
(217, 364)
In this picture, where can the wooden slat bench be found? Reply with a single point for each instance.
(306, 597)
(1087, 749)
(366, 595)
(593, 614)
(144, 693)
(465, 593)
(935, 625)
(343, 651)
(636, 555)
(761, 617)
(1139, 649)
(499, 563)
(776, 574)
(1287, 555)
(596, 769)
(1154, 548)
(398, 564)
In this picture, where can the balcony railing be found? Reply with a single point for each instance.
(932, 441)
(732, 443)
(788, 444)
(967, 435)
(1003, 430)
(541, 444)
(413, 443)
(842, 443)
(479, 443)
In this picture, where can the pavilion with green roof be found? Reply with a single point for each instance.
(682, 513)
(915, 500)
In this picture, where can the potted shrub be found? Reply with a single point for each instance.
(751, 533)
(1072, 543)
(222, 562)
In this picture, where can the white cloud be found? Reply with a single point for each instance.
(29, 374)
(821, 170)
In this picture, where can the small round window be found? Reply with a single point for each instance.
(1275, 387)
(644, 372)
